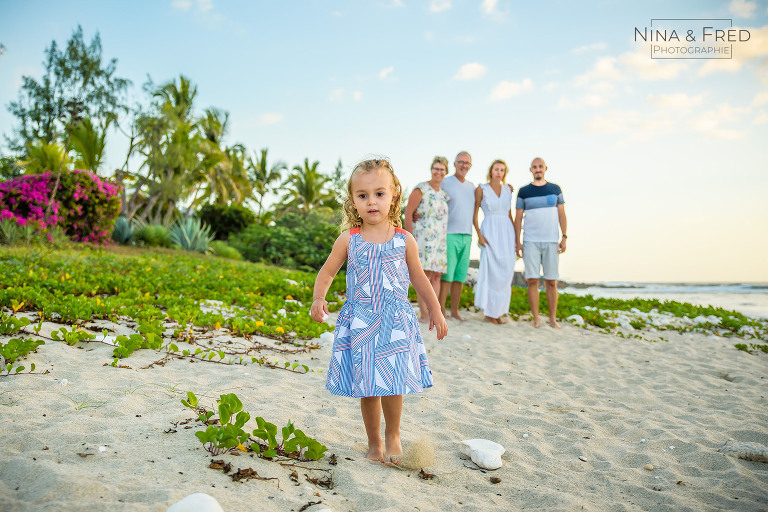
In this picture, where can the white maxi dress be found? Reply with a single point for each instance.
(497, 258)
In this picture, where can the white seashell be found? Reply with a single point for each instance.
(198, 502)
(466, 337)
(483, 452)
(63, 383)
(326, 337)
(525, 435)
(642, 440)
(671, 447)
(102, 449)
(582, 458)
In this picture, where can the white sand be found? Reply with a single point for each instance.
(575, 393)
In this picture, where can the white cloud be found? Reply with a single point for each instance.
(603, 69)
(488, 7)
(439, 5)
(755, 48)
(429, 36)
(590, 47)
(386, 71)
(613, 121)
(471, 71)
(587, 100)
(182, 5)
(357, 95)
(336, 95)
(712, 122)
(270, 118)
(205, 5)
(677, 101)
(505, 90)
(761, 99)
(762, 118)
(640, 64)
(551, 86)
(395, 4)
(742, 8)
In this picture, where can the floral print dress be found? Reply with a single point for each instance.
(432, 227)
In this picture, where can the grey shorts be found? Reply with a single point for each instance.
(540, 254)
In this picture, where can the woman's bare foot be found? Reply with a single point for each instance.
(492, 320)
(457, 316)
(375, 454)
(554, 324)
(501, 320)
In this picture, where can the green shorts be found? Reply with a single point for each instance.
(458, 257)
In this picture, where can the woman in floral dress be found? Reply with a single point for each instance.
(431, 206)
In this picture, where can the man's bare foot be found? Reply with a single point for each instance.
(554, 324)
(492, 320)
(537, 322)
(457, 316)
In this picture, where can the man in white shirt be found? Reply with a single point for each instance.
(461, 208)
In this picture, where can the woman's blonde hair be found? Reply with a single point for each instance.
(351, 218)
(440, 160)
(506, 170)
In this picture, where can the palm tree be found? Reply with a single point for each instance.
(89, 142)
(305, 188)
(177, 100)
(42, 157)
(262, 177)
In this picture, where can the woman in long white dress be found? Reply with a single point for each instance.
(497, 241)
(431, 205)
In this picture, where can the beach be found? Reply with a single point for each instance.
(583, 417)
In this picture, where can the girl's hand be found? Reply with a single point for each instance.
(436, 319)
(319, 309)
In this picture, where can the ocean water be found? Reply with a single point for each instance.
(750, 299)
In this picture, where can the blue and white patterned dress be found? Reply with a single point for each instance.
(377, 348)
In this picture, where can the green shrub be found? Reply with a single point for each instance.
(222, 250)
(225, 220)
(295, 241)
(123, 231)
(191, 235)
(153, 235)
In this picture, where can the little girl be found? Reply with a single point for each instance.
(378, 353)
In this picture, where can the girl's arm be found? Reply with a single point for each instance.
(423, 287)
(326, 274)
(413, 202)
(478, 199)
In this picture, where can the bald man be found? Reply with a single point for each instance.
(539, 210)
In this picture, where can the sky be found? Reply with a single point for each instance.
(662, 161)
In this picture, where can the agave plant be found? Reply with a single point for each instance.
(152, 235)
(191, 235)
(123, 232)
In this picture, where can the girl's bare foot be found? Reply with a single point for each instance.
(394, 450)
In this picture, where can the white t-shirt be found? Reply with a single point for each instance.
(461, 205)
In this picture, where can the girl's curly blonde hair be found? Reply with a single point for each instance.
(351, 218)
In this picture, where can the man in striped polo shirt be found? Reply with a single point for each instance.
(539, 210)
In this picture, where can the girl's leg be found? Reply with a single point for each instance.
(393, 410)
(371, 409)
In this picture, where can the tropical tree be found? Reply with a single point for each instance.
(263, 178)
(43, 156)
(75, 78)
(305, 189)
(89, 142)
